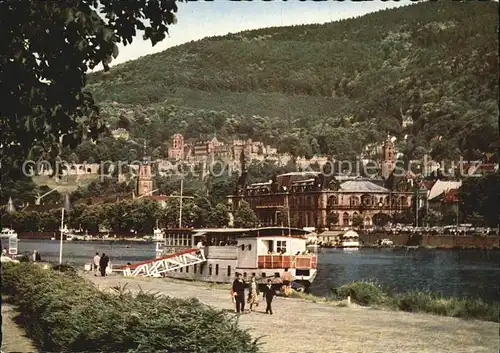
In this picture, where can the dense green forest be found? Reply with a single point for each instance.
(322, 89)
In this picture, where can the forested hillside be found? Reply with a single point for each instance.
(325, 89)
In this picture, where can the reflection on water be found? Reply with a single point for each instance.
(473, 273)
(81, 252)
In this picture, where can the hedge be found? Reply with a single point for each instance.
(63, 312)
(371, 294)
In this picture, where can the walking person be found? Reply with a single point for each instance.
(253, 295)
(103, 263)
(96, 261)
(239, 292)
(286, 282)
(233, 300)
(268, 294)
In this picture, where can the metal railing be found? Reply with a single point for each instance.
(287, 261)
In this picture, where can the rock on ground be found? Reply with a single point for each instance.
(302, 326)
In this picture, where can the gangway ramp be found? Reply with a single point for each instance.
(155, 267)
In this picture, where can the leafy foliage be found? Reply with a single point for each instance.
(244, 216)
(372, 294)
(325, 89)
(479, 200)
(65, 313)
(46, 50)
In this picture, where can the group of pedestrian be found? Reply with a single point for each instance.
(36, 257)
(100, 263)
(238, 294)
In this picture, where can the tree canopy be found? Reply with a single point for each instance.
(46, 49)
(426, 73)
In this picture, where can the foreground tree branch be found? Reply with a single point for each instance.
(46, 49)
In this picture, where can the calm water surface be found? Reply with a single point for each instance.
(473, 273)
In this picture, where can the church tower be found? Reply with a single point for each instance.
(389, 162)
(145, 180)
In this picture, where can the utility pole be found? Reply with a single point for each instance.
(417, 204)
(427, 207)
(61, 240)
(180, 203)
(288, 211)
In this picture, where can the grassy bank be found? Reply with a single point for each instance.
(62, 312)
(373, 295)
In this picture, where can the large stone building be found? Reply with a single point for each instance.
(144, 180)
(389, 158)
(176, 152)
(314, 202)
(214, 149)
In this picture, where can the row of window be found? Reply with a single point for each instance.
(280, 246)
(202, 267)
(369, 200)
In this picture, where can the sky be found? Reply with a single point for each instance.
(199, 19)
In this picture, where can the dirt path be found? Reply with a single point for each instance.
(303, 326)
(13, 336)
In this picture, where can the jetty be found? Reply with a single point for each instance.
(300, 325)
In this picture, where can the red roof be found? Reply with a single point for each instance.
(427, 184)
(450, 196)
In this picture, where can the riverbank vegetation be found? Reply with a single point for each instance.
(62, 312)
(374, 295)
(328, 89)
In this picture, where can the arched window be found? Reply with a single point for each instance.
(229, 271)
(353, 201)
(366, 200)
(345, 219)
(249, 247)
(209, 270)
(217, 269)
(332, 201)
(242, 247)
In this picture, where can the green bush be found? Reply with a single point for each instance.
(64, 312)
(439, 305)
(363, 293)
(64, 268)
(372, 294)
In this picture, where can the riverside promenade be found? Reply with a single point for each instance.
(303, 326)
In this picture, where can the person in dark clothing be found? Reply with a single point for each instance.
(268, 293)
(103, 263)
(38, 257)
(239, 290)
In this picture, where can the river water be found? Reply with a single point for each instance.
(473, 273)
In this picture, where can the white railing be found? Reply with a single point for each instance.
(158, 266)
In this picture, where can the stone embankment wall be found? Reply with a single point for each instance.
(440, 241)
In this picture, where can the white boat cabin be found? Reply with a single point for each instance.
(259, 252)
(9, 238)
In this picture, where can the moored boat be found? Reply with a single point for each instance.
(9, 237)
(349, 240)
(216, 255)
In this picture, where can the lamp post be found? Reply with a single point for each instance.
(417, 204)
(39, 198)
